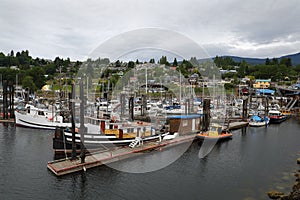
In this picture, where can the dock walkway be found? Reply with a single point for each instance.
(237, 125)
(67, 166)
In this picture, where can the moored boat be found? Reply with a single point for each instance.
(257, 121)
(215, 132)
(41, 118)
(101, 132)
(276, 117)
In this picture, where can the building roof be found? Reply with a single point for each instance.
(193, 116)
(265, 91)
(263, 80)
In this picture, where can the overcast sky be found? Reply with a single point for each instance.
(74, 28)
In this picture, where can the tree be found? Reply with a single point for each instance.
(274, 61)
(131, 64)
(224, 62)
(27, 82)
(194, 61)
(175, 62)
(267, 61)
(12, 54)
(297, 68)
(152, 60)
(163, 60)
(286, 61)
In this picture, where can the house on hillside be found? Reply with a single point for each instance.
(262, 83)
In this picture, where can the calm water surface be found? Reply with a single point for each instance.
(245, 167)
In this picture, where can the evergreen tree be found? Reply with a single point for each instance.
(175, 62)
(152, 60)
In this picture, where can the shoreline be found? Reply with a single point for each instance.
(294, 194)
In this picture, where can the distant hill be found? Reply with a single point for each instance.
(295, 58)
(254, 61)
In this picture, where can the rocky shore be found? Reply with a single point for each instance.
(294, 194)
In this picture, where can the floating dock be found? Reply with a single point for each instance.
(237, 125)
(67, 166)
(7, 120)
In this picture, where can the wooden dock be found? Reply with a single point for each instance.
(237, 125)
(7, 120)
(67, 166)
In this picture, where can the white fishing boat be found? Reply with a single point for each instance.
(39, 117)
(106, 132)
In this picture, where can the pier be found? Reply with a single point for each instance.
(95, 159)
(68, 166)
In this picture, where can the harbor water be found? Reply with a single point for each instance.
(246, 167)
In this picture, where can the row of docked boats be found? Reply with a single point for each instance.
(100, 130)
(273, 117)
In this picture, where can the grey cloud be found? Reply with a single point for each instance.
(74, 28)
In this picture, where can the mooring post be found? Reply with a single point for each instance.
(245, 104)
(5, 104)
(206, 114)
(131, 107)
(11, 99)
(144, 105)
(122, 101)
(82, 128)
(72, 110)
(267, 106)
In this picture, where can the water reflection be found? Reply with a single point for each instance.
(252, 163)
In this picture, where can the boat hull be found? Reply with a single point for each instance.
(277, 120)
(202, 136)
(63, 140)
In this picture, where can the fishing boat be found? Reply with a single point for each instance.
(104, 132)
(216, 132)
(39, 117)
(276, 117)
(257, 121)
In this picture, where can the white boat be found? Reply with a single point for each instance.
(257, 121)
(41, 118)
(105, 132)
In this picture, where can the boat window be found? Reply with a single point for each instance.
(219, 130)
(40, 112)
(213, 128)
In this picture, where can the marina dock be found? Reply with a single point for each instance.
(7, 120)
(237, 125)
(67, 166)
